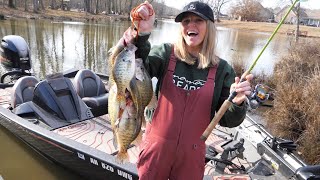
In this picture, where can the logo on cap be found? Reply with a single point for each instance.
(191, 7)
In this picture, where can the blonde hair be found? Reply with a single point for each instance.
(207, 57)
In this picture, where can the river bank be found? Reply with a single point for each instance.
(269, 27)
(60, 15)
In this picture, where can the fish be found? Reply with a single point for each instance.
(144, 86)
(127, 129)
(144, 83)
(113, 111)
(123, 71)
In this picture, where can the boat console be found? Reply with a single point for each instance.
(55, 103)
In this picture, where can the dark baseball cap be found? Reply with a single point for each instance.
(199, 8)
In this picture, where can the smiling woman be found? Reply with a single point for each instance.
(184, 110)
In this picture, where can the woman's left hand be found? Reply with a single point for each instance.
(243, 89)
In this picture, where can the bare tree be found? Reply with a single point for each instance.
(41, 4)
(297, 13)
(25, 5)
(108, 7)
(35, 6)
(247, 10)
(217, 5)
(87, 7)
(97, 6)
(11, 4)
(53, 4)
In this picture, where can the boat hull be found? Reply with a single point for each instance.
(86, 161)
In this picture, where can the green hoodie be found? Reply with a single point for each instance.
(156, 61)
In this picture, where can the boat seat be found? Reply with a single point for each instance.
(55, 103)
(23, 90)
(91, 89)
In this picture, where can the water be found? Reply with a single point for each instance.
(59, 46)
(19, 161)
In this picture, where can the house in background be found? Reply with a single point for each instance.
(291, 19)
(307, 17)
(312, 19)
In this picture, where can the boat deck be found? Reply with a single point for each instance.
(97, 133)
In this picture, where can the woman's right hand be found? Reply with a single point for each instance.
(143, 18)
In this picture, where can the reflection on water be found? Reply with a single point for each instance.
(18, 161)
(239, 45)
(58, 46)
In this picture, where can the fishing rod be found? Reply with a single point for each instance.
(228, 102)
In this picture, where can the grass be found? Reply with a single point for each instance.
(295, 114)
(268, 27)
(295, 92)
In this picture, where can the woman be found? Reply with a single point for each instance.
(193, 83)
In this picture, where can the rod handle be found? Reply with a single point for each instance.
(224, 107)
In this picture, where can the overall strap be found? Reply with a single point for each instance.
(172, 60)
(212, 72)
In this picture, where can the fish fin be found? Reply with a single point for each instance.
(122, 156)
(117, 122)
(136, 97)
(114, 140)
(122, 101)
(119, 116)
(138, 139)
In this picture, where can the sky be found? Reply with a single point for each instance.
(311, 4)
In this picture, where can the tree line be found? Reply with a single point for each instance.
(119, 7)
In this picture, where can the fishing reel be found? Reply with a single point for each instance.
(258, 96)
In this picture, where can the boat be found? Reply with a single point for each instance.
(64, 117)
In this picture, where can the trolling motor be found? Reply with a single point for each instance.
(258, 96)
(14, 57)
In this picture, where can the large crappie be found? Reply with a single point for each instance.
(144, 85)
(123, 71)
(127, 129)
(126, 125)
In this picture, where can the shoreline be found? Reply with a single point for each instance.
(73, 15)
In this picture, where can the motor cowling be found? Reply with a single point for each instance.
(15, 53)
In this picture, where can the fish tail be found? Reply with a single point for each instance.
(122, 156)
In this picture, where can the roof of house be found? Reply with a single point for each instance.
(313, 13)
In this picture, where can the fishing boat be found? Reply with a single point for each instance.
(64, 117)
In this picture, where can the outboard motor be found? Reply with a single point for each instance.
(14, 57)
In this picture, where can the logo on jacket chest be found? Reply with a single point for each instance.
(184, 83)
